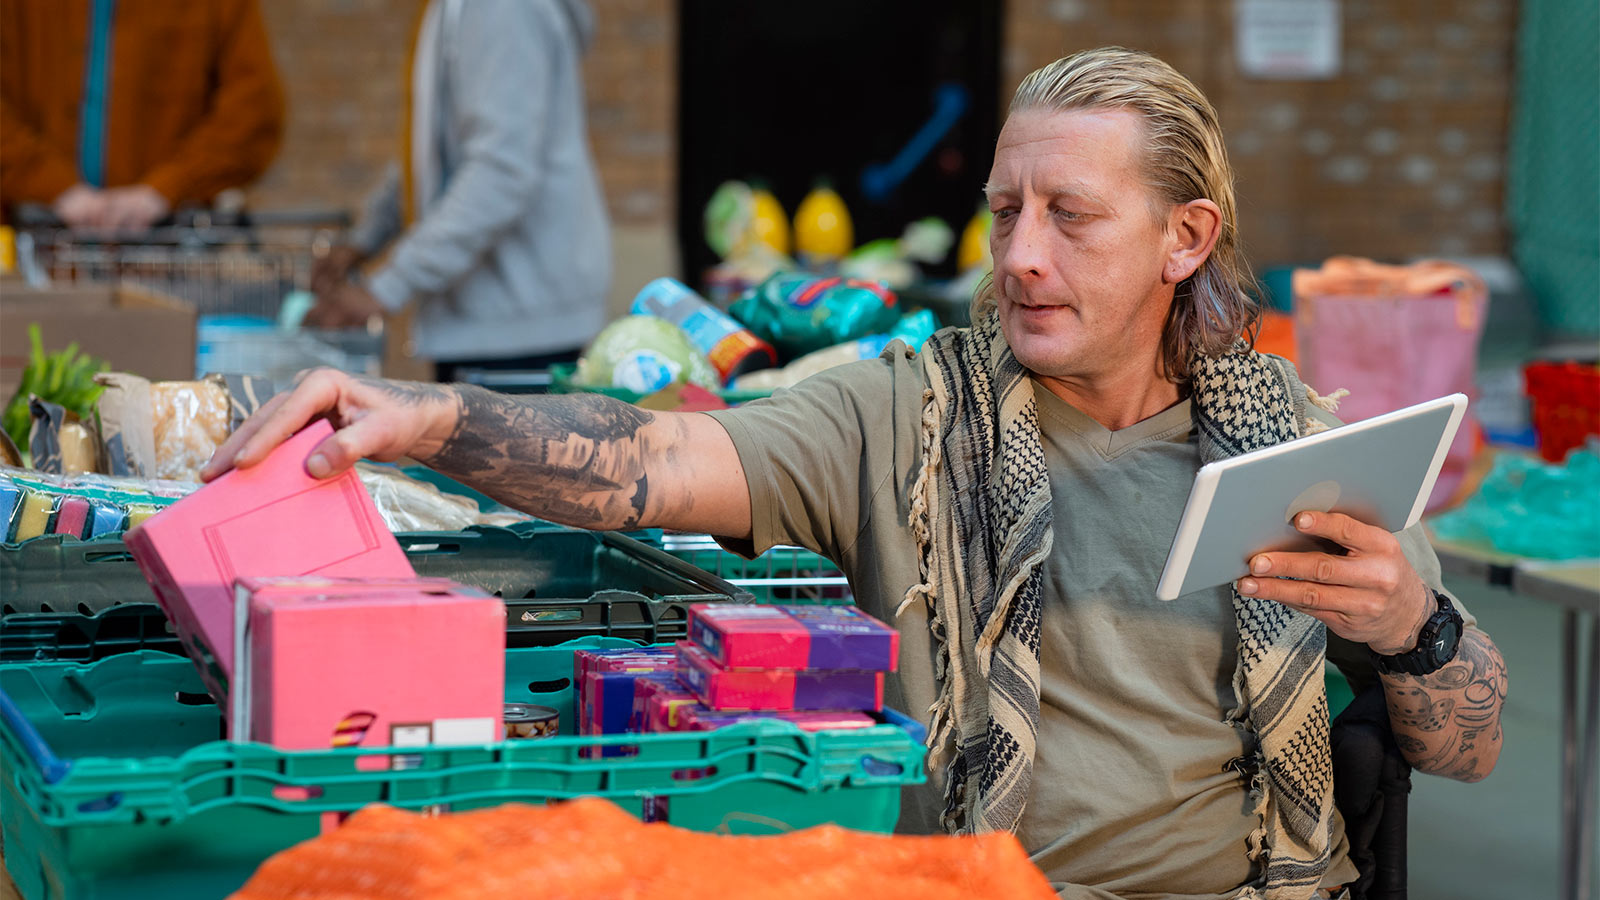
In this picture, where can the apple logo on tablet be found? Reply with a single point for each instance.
(1319, 497)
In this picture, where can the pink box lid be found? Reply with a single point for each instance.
(271, 519)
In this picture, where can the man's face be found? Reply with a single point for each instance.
(1079, 253)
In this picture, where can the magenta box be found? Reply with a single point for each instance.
(614, 659)
(793, 637)
(605, 699)
(270, 519)
(776, 689)
(391, 668)
(310, 587)
(656, 703)
(701, 718)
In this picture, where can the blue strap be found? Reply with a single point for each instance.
(96, 90)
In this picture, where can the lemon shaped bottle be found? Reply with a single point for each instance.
(974, 248)
(769, 224)
(822, 230)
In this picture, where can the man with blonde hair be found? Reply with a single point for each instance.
(1007, 497)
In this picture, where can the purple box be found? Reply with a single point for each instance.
(776, 689)
(793, 637)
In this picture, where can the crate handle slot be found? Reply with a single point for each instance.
(568, 614)
(433, 548)
(549, 687)
(880, 767)
(296, 793)
(108, 556)
(693, 774)
(104, 804)
(193, 698)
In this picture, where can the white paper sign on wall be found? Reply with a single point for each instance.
(1287, 39)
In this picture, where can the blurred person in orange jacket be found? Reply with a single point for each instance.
(115, 112)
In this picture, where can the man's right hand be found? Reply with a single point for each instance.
(82, 207)
(372, 418)
(330, 270)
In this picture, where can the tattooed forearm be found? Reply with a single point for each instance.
(579, 460)
(409, 393)
(1448, 723)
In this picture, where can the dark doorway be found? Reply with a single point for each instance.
(787, 92)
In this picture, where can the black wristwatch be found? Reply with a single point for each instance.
(1437, 643)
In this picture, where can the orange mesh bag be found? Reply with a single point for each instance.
(591, 849)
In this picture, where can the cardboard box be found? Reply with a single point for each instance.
(777, 689)
(271, 519)
(134, 329)
(407, 668)
(742, 636)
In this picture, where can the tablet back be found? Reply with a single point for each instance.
(1380, 471)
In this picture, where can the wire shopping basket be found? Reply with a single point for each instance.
(235, 269)
(221, 264)
(781, 575)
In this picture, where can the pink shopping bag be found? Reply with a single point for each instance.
(1393, 336)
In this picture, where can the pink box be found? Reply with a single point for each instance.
(791, 636)
(776, 689)
(401, 668)
(697, 717)
(270, 519)
(309, 587)
(656, 704)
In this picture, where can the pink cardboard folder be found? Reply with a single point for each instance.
(270, 519)
(399, 669)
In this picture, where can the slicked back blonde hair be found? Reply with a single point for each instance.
(1184, 159)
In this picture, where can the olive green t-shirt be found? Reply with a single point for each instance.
(1131, 798)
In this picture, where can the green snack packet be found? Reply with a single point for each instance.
(800, 313)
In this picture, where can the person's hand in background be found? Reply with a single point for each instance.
(81, 207)
(330, 270)
(344, 305)
(134, 208)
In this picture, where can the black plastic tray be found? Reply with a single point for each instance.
(55, 595)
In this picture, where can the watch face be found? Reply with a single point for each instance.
(1445, 641)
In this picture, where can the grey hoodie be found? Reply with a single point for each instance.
(510, 253)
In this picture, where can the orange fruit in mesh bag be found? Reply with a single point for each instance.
(590, 848)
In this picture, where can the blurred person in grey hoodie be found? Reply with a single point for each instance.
(493, 216)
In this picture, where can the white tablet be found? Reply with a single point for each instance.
(1380, 470)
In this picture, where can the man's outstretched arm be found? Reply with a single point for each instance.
(583, 460)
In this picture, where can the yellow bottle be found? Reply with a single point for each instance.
(769, 224)
(8, 249)
(974, 249)
(822, 229)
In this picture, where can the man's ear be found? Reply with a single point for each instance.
(1193, 229)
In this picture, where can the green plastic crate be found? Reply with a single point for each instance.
(135, 797)
(781, 575)
(558, 583)
(561, 383)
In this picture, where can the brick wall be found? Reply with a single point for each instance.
(342, 63)
(1403, 154)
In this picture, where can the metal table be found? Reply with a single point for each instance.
(1575, 588)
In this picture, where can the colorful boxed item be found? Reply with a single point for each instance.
(262, 590)
(656, 704)
(742, 636)
(393, 666)
(270, 519)
(616, 659)
(700, 718)
(605, 699)
(776, 689)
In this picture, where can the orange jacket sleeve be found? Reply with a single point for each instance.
(31, 170)
(243, 127)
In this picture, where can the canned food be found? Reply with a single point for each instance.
(525, 720)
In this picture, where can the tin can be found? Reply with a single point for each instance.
(525, 720)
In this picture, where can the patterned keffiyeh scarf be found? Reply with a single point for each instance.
(981, 516)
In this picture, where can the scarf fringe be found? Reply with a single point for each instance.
(941, 716)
